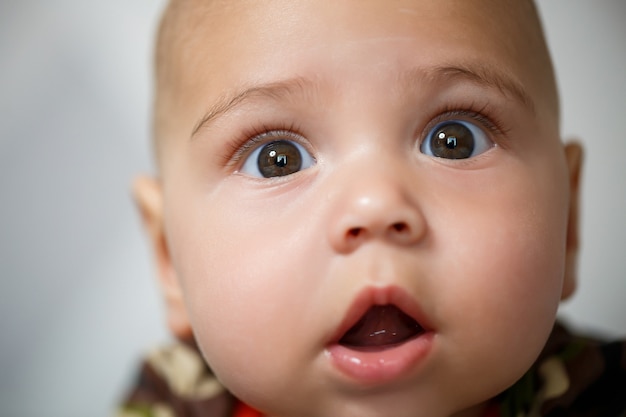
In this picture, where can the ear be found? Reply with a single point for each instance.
(574, 159)
(148, 196)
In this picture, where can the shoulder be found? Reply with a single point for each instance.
(576, 376)
(175, 381)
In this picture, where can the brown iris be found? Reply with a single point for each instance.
(279, 158)
(452, 141)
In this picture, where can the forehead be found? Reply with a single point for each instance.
(220, 45)
(285, 26)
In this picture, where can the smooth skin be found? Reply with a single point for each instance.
(263, 271)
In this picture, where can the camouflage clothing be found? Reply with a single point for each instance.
(574, 377)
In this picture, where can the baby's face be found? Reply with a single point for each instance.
(366, 205)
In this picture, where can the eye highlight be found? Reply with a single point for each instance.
(456, 139)
(277, 159)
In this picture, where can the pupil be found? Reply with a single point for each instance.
(279, 158)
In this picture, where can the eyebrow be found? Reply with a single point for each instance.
(276, 91)
(307, 88)
(486, 76)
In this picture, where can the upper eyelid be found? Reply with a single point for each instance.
(470, 114)
(264, 137)
(494, 127)
(258, 135)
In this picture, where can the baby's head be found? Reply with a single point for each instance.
(363, 208)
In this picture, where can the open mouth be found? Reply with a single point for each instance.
(381, 327)
(383, 336)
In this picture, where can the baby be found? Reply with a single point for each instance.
(364, 208)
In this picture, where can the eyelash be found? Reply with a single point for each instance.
(254, 136)
(483, 115)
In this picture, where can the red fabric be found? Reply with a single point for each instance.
(244, 410)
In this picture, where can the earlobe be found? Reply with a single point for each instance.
(574, 159)
(148, 196)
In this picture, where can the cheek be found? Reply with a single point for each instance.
(243, 270)
(512, 265)
(504, 284)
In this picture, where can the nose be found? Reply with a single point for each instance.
(376, 206)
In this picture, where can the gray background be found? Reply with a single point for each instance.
(78, 303)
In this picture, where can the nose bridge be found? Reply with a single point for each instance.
(376, 200)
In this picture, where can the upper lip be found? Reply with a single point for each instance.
(378, 296)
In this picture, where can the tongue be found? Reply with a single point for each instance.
(381, 327)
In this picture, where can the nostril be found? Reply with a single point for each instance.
(400, 227)
(354, 232)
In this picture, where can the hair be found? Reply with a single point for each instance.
(168, 52)
(180, 18)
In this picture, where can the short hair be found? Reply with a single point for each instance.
(180, 18)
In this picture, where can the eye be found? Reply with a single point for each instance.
(277, 159)
(456, 139)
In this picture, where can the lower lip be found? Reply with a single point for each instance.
(379, 367)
